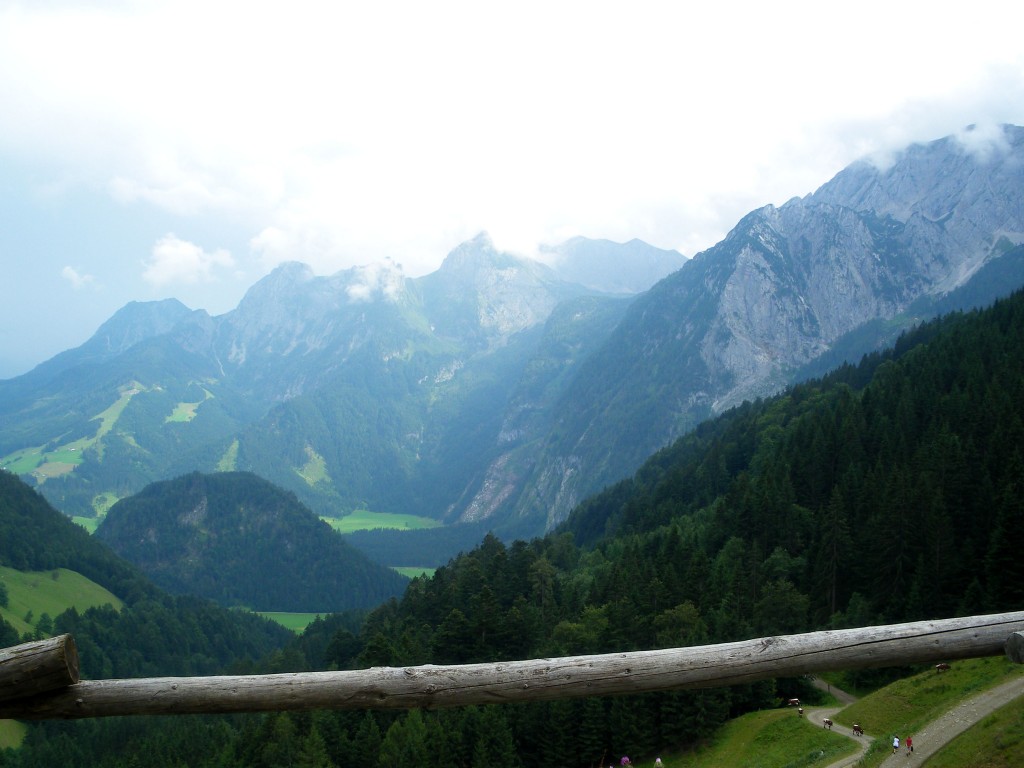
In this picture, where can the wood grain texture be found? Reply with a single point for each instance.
(431, 686)
(38, 666)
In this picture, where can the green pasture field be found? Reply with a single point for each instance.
(65, 458)
(411, 572)
(24, 461)
(12, 733)
(183, 412)
(905, 706)
(101, 503)
(315, 469)
(775, 737)
(365, 520)
(228, 460)
(187, 411)
(51, 592)
(89, 523)
(296, 622)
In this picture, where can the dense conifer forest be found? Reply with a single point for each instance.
(237, 539)
(886, 491)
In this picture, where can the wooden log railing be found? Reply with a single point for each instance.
(38, 667)
(431, 686)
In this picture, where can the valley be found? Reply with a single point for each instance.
(814, 424)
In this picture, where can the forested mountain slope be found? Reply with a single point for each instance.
(241, 541)
(496, 392)
(154, 633)
(886, 491)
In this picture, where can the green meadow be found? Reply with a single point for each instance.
(365, 520)
(412, 572)
(89, 523)
(228, 461)
(315, 469)
(775, 737)
(296, 622)
(64, 458)
(185, 412)
(12, 733)
(778, 738)
(905, 706)
(33, 593)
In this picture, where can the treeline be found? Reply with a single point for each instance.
(887, 491)
(416, 548)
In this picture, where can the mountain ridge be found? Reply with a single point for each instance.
(494, 390)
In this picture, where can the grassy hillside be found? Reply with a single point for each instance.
(34, 593)
(765, 739)
(776, 738)
(905, 706)
(995, 742)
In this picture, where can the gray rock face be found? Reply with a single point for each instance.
(497, 389)
(740, 319)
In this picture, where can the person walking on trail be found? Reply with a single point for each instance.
(910, 746)
(895, 744)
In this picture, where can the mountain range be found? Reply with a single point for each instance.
(501, 391)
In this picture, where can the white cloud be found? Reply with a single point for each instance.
(174, 260)
(77, 280)
(340, 134)
(983, 141)
(379, 279)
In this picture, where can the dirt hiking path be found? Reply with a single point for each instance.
(817, 715)
(939, 732)
(932, 737)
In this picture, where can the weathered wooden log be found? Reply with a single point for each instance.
(431, 686)
(37, 667)
(1015, 648)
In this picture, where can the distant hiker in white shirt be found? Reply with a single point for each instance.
(895, 744)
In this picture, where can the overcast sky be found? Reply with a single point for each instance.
(182, 149)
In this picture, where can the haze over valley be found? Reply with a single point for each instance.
(381, 338)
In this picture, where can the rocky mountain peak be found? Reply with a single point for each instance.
(137, 321)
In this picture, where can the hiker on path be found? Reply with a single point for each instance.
(895, 744)
(910, 746)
